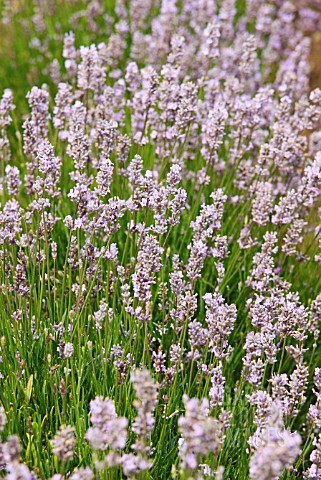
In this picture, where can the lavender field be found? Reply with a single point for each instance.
(160, 240)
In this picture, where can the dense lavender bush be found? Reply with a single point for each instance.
(159, 240)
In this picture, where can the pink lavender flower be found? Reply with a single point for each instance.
(63, 443)
(201, 434)
(220, 319)
(148, 263)
(276, 450)
(108, 429)
(146, 392)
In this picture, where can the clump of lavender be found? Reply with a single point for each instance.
(109, 431)
(160, 239)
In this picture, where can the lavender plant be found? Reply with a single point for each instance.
(160, 242)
